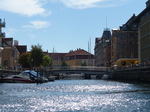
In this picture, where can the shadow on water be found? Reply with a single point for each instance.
(130, 91)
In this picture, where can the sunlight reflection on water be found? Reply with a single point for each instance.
(74, 95)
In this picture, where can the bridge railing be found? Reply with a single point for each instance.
(79, 68)
(88, 68)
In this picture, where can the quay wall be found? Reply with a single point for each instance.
(142, 74)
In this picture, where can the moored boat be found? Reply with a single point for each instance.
(28, 76)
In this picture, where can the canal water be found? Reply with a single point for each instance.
(75, 96)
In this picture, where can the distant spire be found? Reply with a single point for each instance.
(53, 50)
(89, 45)
(106, 21)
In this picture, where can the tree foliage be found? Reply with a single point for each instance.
(64, 64)
(47, 61)
(36, 55)
(23, 60)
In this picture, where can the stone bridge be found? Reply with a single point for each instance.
(86, 71)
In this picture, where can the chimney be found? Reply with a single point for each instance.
(15, 42)
(148, 3)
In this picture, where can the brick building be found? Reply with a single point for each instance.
(57, 58)
(102, 49)
(127, 40)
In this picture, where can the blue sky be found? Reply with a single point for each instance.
(64, 24)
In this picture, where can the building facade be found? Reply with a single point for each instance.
(143, 21)
(8, 53)
(2, 35)
(97, 52)
(79, 57)
(57, 58)
(127, 40)
(114, 46)
(102, 49)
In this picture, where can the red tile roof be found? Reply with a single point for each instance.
(77, 52)
(56, 56)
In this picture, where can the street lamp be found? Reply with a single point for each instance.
(1, 48)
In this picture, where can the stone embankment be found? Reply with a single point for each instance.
(135, 74)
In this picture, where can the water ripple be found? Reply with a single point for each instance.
(75, 96)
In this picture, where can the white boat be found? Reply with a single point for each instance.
(28, 76)
(105, 77)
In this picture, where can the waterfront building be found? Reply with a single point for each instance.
(11, 53)
(114, 46)
(102, 49)
(18, 49)
(2, 35)
(57, 58)
(127, 40)
(79, 57)
(143, 21)
(97, 52)
(8, 53)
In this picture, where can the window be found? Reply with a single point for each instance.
(123, 63)
(123, 35)
(132, 54)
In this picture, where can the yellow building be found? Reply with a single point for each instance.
(143, 21)
(79, 57)
(114, 46)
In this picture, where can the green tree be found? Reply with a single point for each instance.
(64, 64)
(23, 60)
(36, 55)
(47, 61)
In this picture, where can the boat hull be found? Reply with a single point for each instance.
(15, 80)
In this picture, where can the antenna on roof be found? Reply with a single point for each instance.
(53, 50)
(89, 45)
(106, 21)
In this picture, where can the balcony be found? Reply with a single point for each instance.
(2, 34)
(2, 24)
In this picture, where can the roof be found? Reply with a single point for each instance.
(5, 42)
(56, 56)
(129, 25)
(106, 33)
(21, 48)
(138, 18)
(77, 52)
(131, 19)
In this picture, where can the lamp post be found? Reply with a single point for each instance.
(1, 48)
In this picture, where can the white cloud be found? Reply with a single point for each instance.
(10, 32)
(83, 4)
(24, 7)
(80, 4)
(32, 36)
(37, 24)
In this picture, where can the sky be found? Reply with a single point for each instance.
(63, 25)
